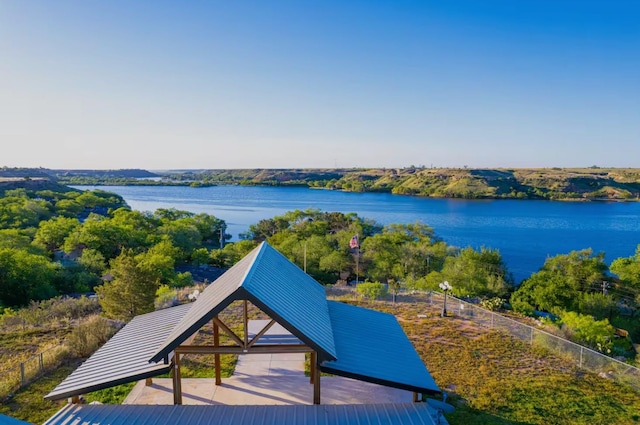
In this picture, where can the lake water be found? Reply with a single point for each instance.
(525, 232)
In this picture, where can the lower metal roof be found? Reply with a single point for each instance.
(336, 414)
(373, 347)
(125, 357)
(8, 420)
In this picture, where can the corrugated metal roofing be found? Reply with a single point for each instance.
(125, 357)
(8, 420)
(210, 302)
(337, 414)
(276, 286)
(373, 347)
(293, 298)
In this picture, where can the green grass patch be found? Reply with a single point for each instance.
(203, 366)
(493, 378)
(29, 404)
(113, 395)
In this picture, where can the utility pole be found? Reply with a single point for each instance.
(222, 237)
(357, 265)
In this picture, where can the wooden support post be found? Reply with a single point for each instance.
(148, 382)
(316, 382)
(415, 397)
(216, 343)
(246, 324)
(312, 367)
(177, 384)
(75, 399)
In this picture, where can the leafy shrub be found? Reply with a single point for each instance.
(521, 306)
(182, 280)
(89, 336)
(493, 304)
(597, 333)
(372, 290)
(166, 296)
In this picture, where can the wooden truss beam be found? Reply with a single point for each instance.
(261, 333)
(256, 349)
(228, 331)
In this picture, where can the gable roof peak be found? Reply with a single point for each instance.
(275, 285)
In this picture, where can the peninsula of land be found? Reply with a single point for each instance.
(577, 184)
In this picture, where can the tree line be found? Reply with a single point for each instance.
(585, 184)
(73, 242)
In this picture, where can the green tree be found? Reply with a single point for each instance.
(159, 262)
(561, 282)
(183, 234)
(628, 269)
(68, 208)
(472, 273)
(99, 233)
(93, 261)
(24, 277)
(210, 229)
(402, 252)
(20, 239)
(231, 253)
(200, 256)
(132, 290)
(52, 233)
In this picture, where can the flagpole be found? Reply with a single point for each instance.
(354, 243)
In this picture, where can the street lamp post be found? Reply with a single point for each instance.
(446, 287)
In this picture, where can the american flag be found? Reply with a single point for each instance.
(353, 243)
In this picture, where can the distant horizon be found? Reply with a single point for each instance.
(592, 167)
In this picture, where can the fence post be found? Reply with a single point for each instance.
(581, 356)
(21, 374)
(41, 362)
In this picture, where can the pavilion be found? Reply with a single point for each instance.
(341, 339)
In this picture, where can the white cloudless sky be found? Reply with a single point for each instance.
(283, 84)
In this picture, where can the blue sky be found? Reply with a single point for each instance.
(281, 84)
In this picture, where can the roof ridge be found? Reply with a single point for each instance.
(250, 269)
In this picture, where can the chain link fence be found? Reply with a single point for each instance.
(30, 369)
(583, 357)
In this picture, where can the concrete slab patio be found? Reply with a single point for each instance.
(267, 379)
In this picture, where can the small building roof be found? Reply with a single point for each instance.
(373, 347)
(125, 357)
(335, 414)
(275, 285)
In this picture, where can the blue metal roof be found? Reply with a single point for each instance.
(210, 302)
(8, 420)
(373, 347)
(125, 357)
(276, 286)
(293, 298)
(337, 414)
